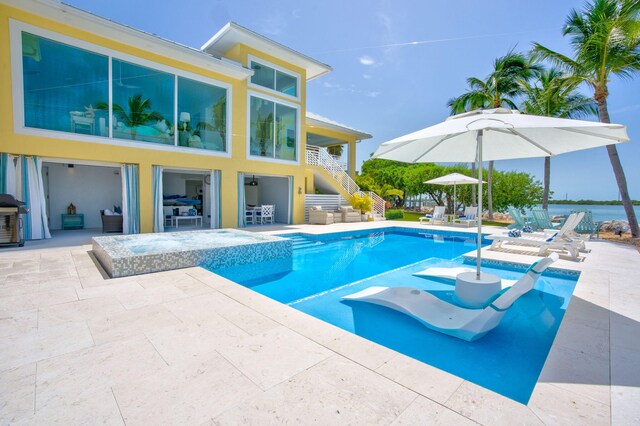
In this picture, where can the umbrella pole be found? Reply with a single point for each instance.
(479, 214)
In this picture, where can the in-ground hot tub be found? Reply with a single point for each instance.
(125, 255)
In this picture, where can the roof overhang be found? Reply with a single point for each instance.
(94, 24)
(232, 34)
(314, 120)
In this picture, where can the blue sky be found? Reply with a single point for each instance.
(396, 63)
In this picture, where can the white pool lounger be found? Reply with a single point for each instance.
(438, 315)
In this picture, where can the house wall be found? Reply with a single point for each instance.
(17, 140)
(275, 190)
(89, 188)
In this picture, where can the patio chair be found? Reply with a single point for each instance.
(587, 226)
(561, 240)
(543, 220)
(518, 220)
(349, 215)
(111, 222)
(317, 216)
(436, 217)
(447, 318)
(469, 217)
(265, 214)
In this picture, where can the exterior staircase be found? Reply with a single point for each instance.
(320, 157)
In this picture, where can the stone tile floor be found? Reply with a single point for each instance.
(189, 347)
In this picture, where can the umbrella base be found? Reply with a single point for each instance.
(475, 293)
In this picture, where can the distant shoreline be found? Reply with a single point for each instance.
(593, 202)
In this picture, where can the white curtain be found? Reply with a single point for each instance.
(291, 198)
(214, 196)
(31, 191)
(158, 209)
(130, 199)
(8, 173)
(242, 221)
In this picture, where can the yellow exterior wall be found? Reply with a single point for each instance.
(62, 148)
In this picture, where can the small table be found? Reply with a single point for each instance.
(474, 293)
(176, 219)
(72, 221)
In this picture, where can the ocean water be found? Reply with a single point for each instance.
(600, 213)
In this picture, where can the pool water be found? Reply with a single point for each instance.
(508, 360)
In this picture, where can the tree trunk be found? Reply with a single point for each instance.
(473, 187)
(614, 158)
(489, 196)
(547, 181)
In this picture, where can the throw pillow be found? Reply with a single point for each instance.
(117, 209)
(515, 233)
(527, 229)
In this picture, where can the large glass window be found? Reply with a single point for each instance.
(273, 79)
(67, 89)
(202, 115)
(142, 103)
(273, 130)
(63, 87)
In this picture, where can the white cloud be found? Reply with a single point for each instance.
(274, 23)
(372, 94)
(331, 85)
(367, 60)
(366, 76)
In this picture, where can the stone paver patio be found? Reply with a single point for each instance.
(190, 347)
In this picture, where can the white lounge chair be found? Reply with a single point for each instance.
(436, 217)
(449, 275)
(560, 240)
(469, 217)
(447, 318)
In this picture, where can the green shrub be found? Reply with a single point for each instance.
(394, 214)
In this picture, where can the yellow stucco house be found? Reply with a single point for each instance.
(106, 117)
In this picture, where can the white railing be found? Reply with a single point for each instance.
(316, 156)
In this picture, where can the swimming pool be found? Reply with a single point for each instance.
(508, 360)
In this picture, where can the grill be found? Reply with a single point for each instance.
(10, 220)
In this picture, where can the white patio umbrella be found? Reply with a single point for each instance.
(498, 134)
(454, 179)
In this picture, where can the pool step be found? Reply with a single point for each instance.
(301, 242)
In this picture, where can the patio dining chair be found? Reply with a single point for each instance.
(265, 214)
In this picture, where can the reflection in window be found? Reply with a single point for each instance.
(273, 130)
(202, 115)
(273, 79)
(142, 103)
(63, 86)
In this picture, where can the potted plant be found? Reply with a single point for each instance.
(364, 204)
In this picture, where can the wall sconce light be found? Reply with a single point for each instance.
(70, 166)
(299, 190)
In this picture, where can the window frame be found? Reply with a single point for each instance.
(250, 94)
(251, 59)
(17, 85)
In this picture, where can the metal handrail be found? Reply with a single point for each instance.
(317, 156)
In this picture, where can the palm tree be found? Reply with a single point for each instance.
(139, 113)
(501, 88)
(554, 94)
(606, 41)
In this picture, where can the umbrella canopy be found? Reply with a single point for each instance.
(498, 134)
(453, 179)
(507, 135)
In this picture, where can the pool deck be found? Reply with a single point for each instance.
(190, 347)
